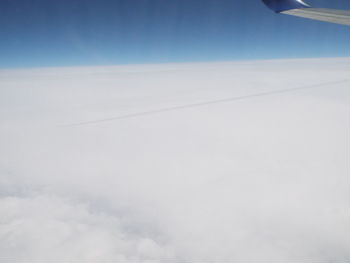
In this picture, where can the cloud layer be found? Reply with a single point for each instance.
(261, 179)
(50, 229)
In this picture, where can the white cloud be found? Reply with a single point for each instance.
(50, 229)
(263, 179)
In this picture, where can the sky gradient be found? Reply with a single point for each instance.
(40, 33)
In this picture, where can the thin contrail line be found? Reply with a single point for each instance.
(205, 103)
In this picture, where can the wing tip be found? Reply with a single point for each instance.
(279, 6)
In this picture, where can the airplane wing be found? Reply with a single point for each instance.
(301, 9)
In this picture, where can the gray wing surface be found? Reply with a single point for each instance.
(322, 14)
(302, 9)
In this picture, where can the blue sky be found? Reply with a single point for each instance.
(89, 32)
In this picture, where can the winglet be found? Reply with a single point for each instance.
(283, 5)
